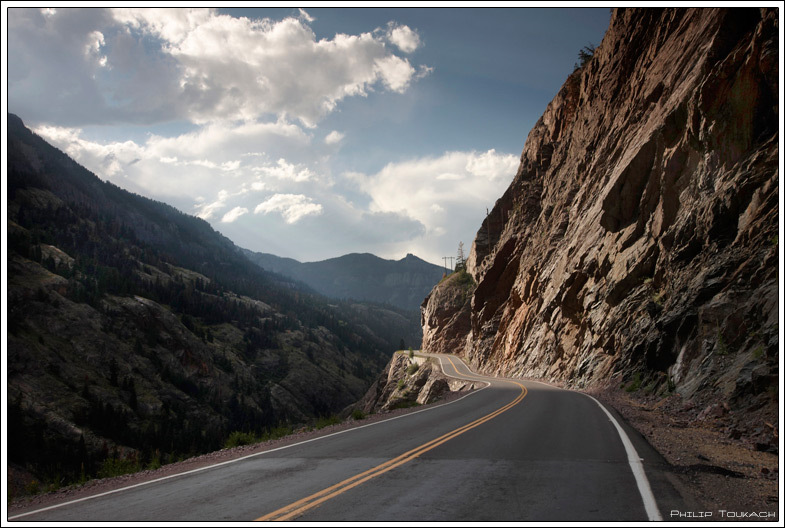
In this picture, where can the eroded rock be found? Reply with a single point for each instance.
(638, 239)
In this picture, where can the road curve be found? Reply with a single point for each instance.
(512, 451)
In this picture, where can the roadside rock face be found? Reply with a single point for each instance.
(406, 382)
(446, 314)
(638, 240)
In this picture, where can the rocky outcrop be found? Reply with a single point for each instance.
(638, 240)
(406, 382)
(446, 314)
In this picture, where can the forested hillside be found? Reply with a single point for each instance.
(138, 335)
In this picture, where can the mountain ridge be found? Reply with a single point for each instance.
(138, 334)
(403, 283)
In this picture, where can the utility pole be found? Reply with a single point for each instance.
(445, 263)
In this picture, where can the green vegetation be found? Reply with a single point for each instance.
(325, 421)
(722, 347)
(357, 414)
(276, 432)
(635, 384)
(585, 54)
(239, 438)
(32, 487)
(242, 330)
(671, 384)
(411, 369)
(401, 384)
(461, 279)
(404, 404)
(116, 466)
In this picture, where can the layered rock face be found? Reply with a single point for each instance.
(406, 382)
(639, 237)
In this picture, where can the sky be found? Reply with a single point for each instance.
(306, 133)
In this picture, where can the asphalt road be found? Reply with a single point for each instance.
(512, 451)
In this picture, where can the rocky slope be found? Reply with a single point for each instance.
(408, 381)
(638, 242)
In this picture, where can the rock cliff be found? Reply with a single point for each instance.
(638, 242)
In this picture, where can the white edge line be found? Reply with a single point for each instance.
(636, 466)
(634, 460)
(477, 377)
(126, 488)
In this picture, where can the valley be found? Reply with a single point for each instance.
(608, 350)
(139, 335)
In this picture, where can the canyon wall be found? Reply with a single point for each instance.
(638, 241)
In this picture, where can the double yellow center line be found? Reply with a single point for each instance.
(297, 508)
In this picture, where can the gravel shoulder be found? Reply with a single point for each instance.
(723, 469)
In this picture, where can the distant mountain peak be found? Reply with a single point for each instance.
(361, 276)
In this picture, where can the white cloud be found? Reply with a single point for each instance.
(447, 194)
(286, 171)
(305, 16)
(93, 47)
(395, 72)
(293, 207)
(333, 137)
(403, 37)
(107, 160)
(490, 165)
(216, 162)
(222, 67)
(207, 211)
(221, 138)
(424, 205)
(233, 215)
(148, 65)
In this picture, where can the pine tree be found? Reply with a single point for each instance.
(460, 261)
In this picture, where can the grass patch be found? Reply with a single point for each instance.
(411, 369)
(276, 432)
(404, 404)
(239, 438)
(635, 384)
(116, 466)
(323, 422)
